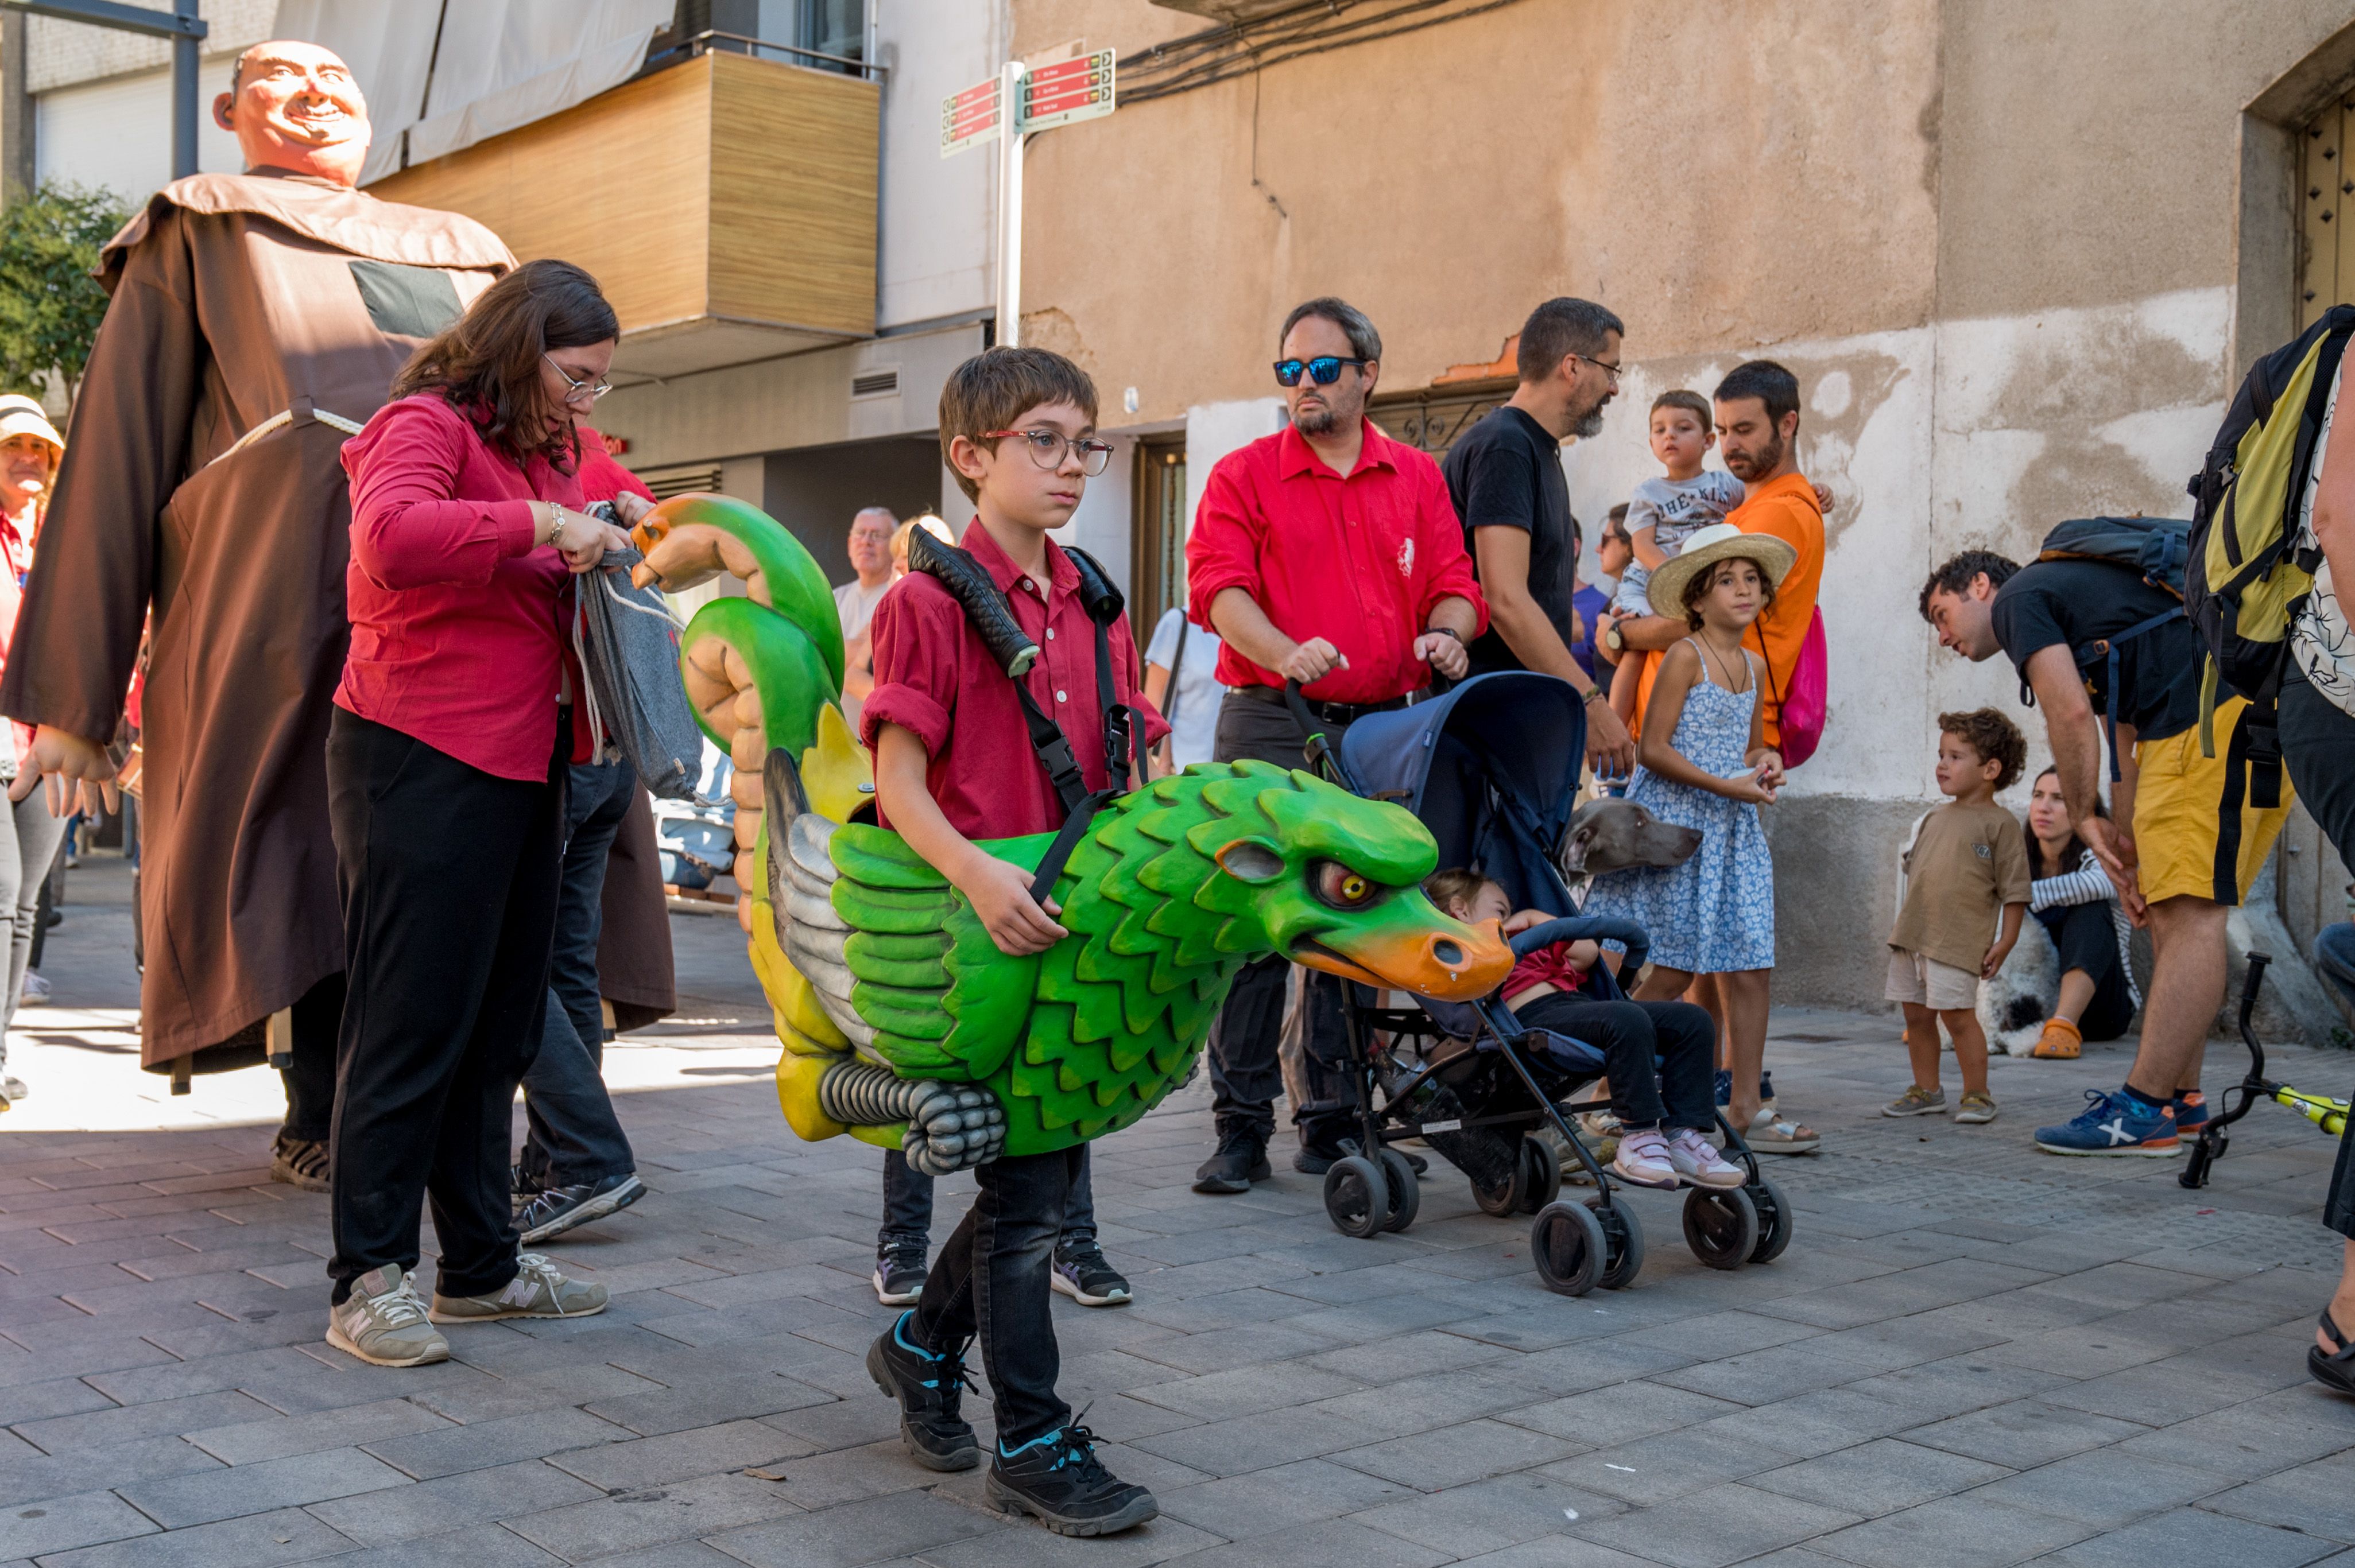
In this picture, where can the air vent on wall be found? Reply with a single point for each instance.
(883, 383)
(667, 482)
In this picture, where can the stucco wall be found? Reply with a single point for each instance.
(2001, 243)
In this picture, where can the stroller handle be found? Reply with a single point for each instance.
(1588, 928)
(1321, 755)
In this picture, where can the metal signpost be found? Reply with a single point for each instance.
(1052, 95)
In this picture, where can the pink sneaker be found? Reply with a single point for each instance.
(1645, 1160)
(1697, 1161)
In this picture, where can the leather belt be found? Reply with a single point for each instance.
(1331, 712)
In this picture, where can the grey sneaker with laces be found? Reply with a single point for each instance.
(383, 1323)
(537, 1290)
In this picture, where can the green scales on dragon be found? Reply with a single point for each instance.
(903, 1025)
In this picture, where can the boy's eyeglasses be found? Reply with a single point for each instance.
(1324, 370)
(574, 389)
(1049, 447)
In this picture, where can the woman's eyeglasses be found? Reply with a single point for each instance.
(1049, 447)
(1324, 370)
(574, 390)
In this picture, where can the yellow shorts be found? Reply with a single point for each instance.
(2194, 831)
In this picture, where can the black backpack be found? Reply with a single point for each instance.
(2157, 549)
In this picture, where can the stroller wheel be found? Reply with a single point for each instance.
(1774, 1220)
(1624, 1235)
(1357, 1198)
(1505, 1199)
(1405, 1191)
(1570, 1248)
(1721, 1225)
(1540, 1181)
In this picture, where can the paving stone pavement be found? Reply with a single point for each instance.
(1971, 1355)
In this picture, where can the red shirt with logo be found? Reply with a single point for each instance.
(934, 678)
(1359, 561)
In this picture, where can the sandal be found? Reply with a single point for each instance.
(2061, 1042)
(2336, 1369)
(1771, 1133)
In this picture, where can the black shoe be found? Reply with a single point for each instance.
(521, 1184)
(1241, 1160)
(1083, 1274)
(928, 1387)
(556, 1209)
(1059, 1480)
(300, 1162)
(1311, 1160)
(899, 1272)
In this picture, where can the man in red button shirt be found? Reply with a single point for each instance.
(1330, 555)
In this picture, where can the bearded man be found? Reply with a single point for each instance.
(257, 319)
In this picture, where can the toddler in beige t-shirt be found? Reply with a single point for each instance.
(1965, 894)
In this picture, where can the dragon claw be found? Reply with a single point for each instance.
(953, 1127)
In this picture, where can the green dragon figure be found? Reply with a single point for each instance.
(902, 1022)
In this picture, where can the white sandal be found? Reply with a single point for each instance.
(1770, 1133)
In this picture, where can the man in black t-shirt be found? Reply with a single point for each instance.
(2102, 647)
(1505, 476)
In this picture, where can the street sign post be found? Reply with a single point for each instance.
(1060, 94)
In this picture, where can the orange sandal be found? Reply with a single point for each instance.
(2062, 1041)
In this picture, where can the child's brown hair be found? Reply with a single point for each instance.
(1445, 888)
(1994, 738)
(1692, 403)
(998, 387)
(1705, 580)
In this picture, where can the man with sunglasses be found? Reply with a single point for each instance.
(1504, 477)
(1327, 553)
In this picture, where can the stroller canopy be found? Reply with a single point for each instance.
(1491, 769)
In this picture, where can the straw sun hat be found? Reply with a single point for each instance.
(20, 416)
(1718, 541)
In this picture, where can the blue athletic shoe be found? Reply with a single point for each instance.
(1725, 1087)
(2191, 1109)
(2117, 1123)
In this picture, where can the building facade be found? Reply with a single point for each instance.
(2018, 254)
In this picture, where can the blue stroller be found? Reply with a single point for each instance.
(1490, 767)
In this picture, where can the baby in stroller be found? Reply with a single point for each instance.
(1659, 1056)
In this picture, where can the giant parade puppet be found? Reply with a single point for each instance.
(903, 1025)
(256, 320)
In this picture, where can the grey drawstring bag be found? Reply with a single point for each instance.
(627, 641)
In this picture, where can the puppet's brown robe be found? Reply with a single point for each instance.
(235, 297)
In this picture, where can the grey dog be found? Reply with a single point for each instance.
(1612, 834)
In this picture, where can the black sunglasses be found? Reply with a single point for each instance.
(1324, 370)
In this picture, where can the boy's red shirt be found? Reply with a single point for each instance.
(935, 679)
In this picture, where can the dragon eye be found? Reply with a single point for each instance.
(1343, 889)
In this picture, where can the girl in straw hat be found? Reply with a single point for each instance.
(30, 449)
(1703, 763)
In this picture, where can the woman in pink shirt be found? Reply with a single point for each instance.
(446, 768)
(32, 822)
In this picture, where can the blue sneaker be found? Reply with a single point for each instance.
(1725, 1087)
(2115, 1123)
(2191, 1109)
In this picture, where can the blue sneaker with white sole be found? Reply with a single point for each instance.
(2114, 1124)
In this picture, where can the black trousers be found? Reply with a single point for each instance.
(991, 1282)
(1246, 1073)
(1661, 1057)
(2087, 939)
(449, 882)
(310, 1076)
(908, 1206)
(2317, 740)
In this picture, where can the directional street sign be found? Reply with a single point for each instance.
(970, 118)
(1066, 91)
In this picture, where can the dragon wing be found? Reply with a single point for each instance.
(894, 955)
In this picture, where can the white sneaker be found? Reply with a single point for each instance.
(1644, 1160)
(383, 1322)
(35, 992)
(1698, 1161)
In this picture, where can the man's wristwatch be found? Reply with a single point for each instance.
(1446, 632)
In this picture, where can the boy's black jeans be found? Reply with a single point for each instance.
(908, 1206)
(991, 1283)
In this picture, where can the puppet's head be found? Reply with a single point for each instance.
(1334, 882)
(294, 106)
